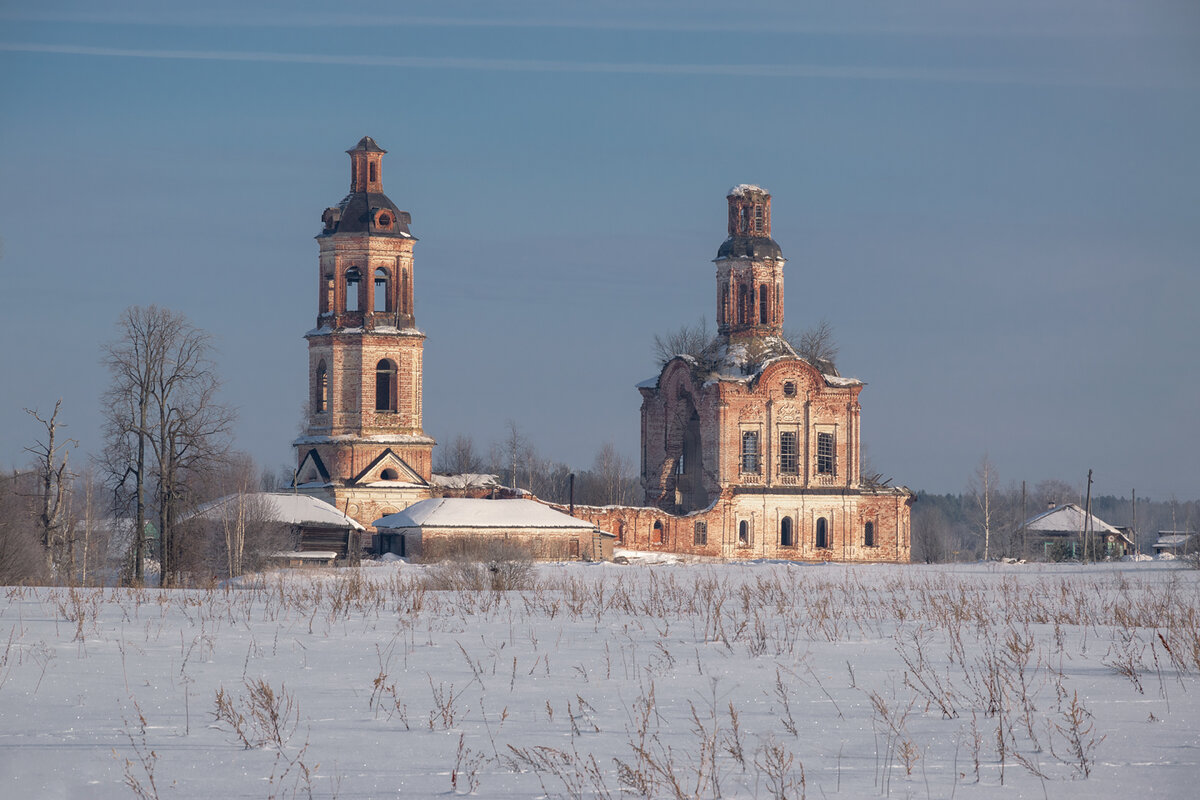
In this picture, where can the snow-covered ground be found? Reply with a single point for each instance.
(664, 680)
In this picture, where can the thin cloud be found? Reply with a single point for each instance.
(1082, 27)
(804, 71)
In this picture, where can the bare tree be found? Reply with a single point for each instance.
(613, 474)
(695, 341)
(516, 451)
(53, 484)
(161, 407)
(20, 552)
(983, 490)
(816, 344)
(459, 457)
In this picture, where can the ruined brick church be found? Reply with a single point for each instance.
(748, 450)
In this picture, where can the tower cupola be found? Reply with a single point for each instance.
(749, 268)
(366, 166)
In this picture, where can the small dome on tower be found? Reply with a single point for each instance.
(749, 224)
(366, 144)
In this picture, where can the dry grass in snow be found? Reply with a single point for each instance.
(603, 681)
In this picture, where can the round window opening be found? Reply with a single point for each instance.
(789, 389)
(389, 475)
(384, 220)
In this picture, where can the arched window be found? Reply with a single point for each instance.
(381, 291)
(743, 534)
(822, 533)
(321, 400)
(389, 474)
(762, 304)
(353, 279)
(405, 307)
(786, 539)
(760, 224)
(385, 386)
(869, 534)
(374, 172)
(743, 304)
(656, 533)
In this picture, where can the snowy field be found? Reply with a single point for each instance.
(608, 681)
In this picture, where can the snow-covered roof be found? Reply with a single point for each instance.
(1068, 518)
(465, 480)
(286, 507)
(460, 512)
(1173, 539)
(743, 188)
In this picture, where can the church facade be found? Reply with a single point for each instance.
(749, 450)
(364, 449)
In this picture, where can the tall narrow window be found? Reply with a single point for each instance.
(788, 461)
(405, 306)
(722, 303)
(869, 534)
(374, 172)
(743, 305)
(321, 401)
(786, 537)
(750, 451)
(822, 533)
(743, 219)
(656, 533)
(385, 386)
(700, 535)
(762, 304)
(743, 534)
(825, 454)
(353, 279)
(760, 224)
(381, 291)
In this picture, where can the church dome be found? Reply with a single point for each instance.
(754, 247)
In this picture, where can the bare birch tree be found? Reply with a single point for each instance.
(983, 488)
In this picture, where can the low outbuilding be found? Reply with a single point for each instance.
(444, 527)
(1061, 532)
(304, 528)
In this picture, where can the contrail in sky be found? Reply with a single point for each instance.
(965, 76)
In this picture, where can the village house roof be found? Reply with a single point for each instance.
(460, 512)
(284, 507)
(1172, 539)
(1068, 519)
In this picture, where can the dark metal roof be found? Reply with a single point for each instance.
(755, 247)
(368, 144)
(358, 216)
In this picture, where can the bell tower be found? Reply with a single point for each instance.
(749, 269)
(363, 448)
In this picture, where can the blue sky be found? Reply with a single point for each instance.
(994, 204)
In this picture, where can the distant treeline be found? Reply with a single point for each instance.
(949, 527)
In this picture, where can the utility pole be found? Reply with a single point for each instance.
(1137, 546)
(1087, 522)
(1024, 532)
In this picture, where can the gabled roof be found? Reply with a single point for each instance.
(460, 512)
(1068, 518)
(284, 507)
